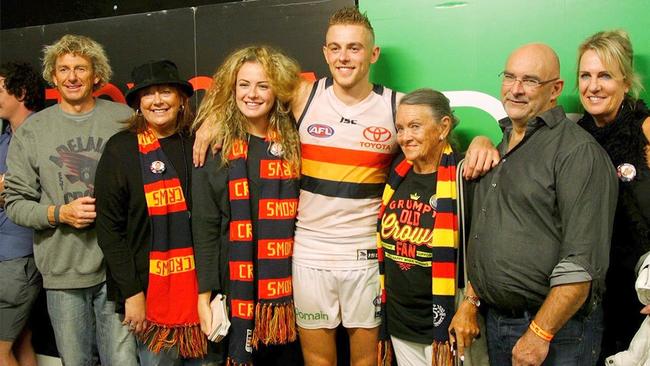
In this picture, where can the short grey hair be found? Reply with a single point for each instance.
(435, 100)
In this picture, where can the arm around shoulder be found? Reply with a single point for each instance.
(300, 98)
(481, 156)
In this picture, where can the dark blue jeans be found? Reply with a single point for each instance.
(576, 344)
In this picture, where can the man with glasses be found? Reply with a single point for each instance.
(541, 225)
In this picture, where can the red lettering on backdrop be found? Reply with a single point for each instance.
(201, 82)
(112, 92)
(308, 75)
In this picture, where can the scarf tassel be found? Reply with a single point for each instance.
(274, 324)
(442, 354)
(384, 353)
(191, 342)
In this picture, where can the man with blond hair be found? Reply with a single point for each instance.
(347, 131)
(49, 187)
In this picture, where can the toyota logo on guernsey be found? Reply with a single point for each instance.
(319, 130)
(376, 136)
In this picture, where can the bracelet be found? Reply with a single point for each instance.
(474, 300)
(540, 332)
(57, 210)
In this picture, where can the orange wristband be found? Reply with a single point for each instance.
(541, 333)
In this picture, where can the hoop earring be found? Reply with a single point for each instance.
(138, 112)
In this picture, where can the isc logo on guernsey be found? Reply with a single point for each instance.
(319, 130)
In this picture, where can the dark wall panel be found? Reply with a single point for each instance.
(196, 38)
(297, 27)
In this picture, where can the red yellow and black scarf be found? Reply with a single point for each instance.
(444, 247)
(172, 293)
(264, 262)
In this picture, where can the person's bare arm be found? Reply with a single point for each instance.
(480, 158)
(300, 97)
(203, 137)
(2, 188)
(464, 325)
(205, 312)
(207, 131)
(79, 213)
(135, 313)
(562, 302)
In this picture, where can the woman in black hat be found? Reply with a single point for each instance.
(143, 219)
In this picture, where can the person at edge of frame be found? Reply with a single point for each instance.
(21, 95)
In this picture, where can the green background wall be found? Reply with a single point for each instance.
(463, 45)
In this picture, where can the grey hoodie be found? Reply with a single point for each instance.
(51, 161)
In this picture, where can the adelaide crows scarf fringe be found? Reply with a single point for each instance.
(172, 294)
(264, 262)
(443, 264)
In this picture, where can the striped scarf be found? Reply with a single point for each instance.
(172, 294)
(444, 247)
(264, 262)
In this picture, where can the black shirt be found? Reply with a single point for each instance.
(123, 225)
(408, 258)
(625, 142)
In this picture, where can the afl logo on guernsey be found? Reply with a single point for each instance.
(319, 130)
(377, 134)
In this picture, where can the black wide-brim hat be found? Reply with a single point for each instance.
(156, 73)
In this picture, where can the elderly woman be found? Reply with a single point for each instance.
(143, 218)
(620, 122)
(245, 202)
(418, 237)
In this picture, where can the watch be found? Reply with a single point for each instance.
(474, 300)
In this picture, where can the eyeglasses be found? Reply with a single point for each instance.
(528, 82)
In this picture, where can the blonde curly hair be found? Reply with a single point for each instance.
(78, 46)
(227, 123)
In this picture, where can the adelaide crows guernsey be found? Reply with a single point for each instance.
(346, 154)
